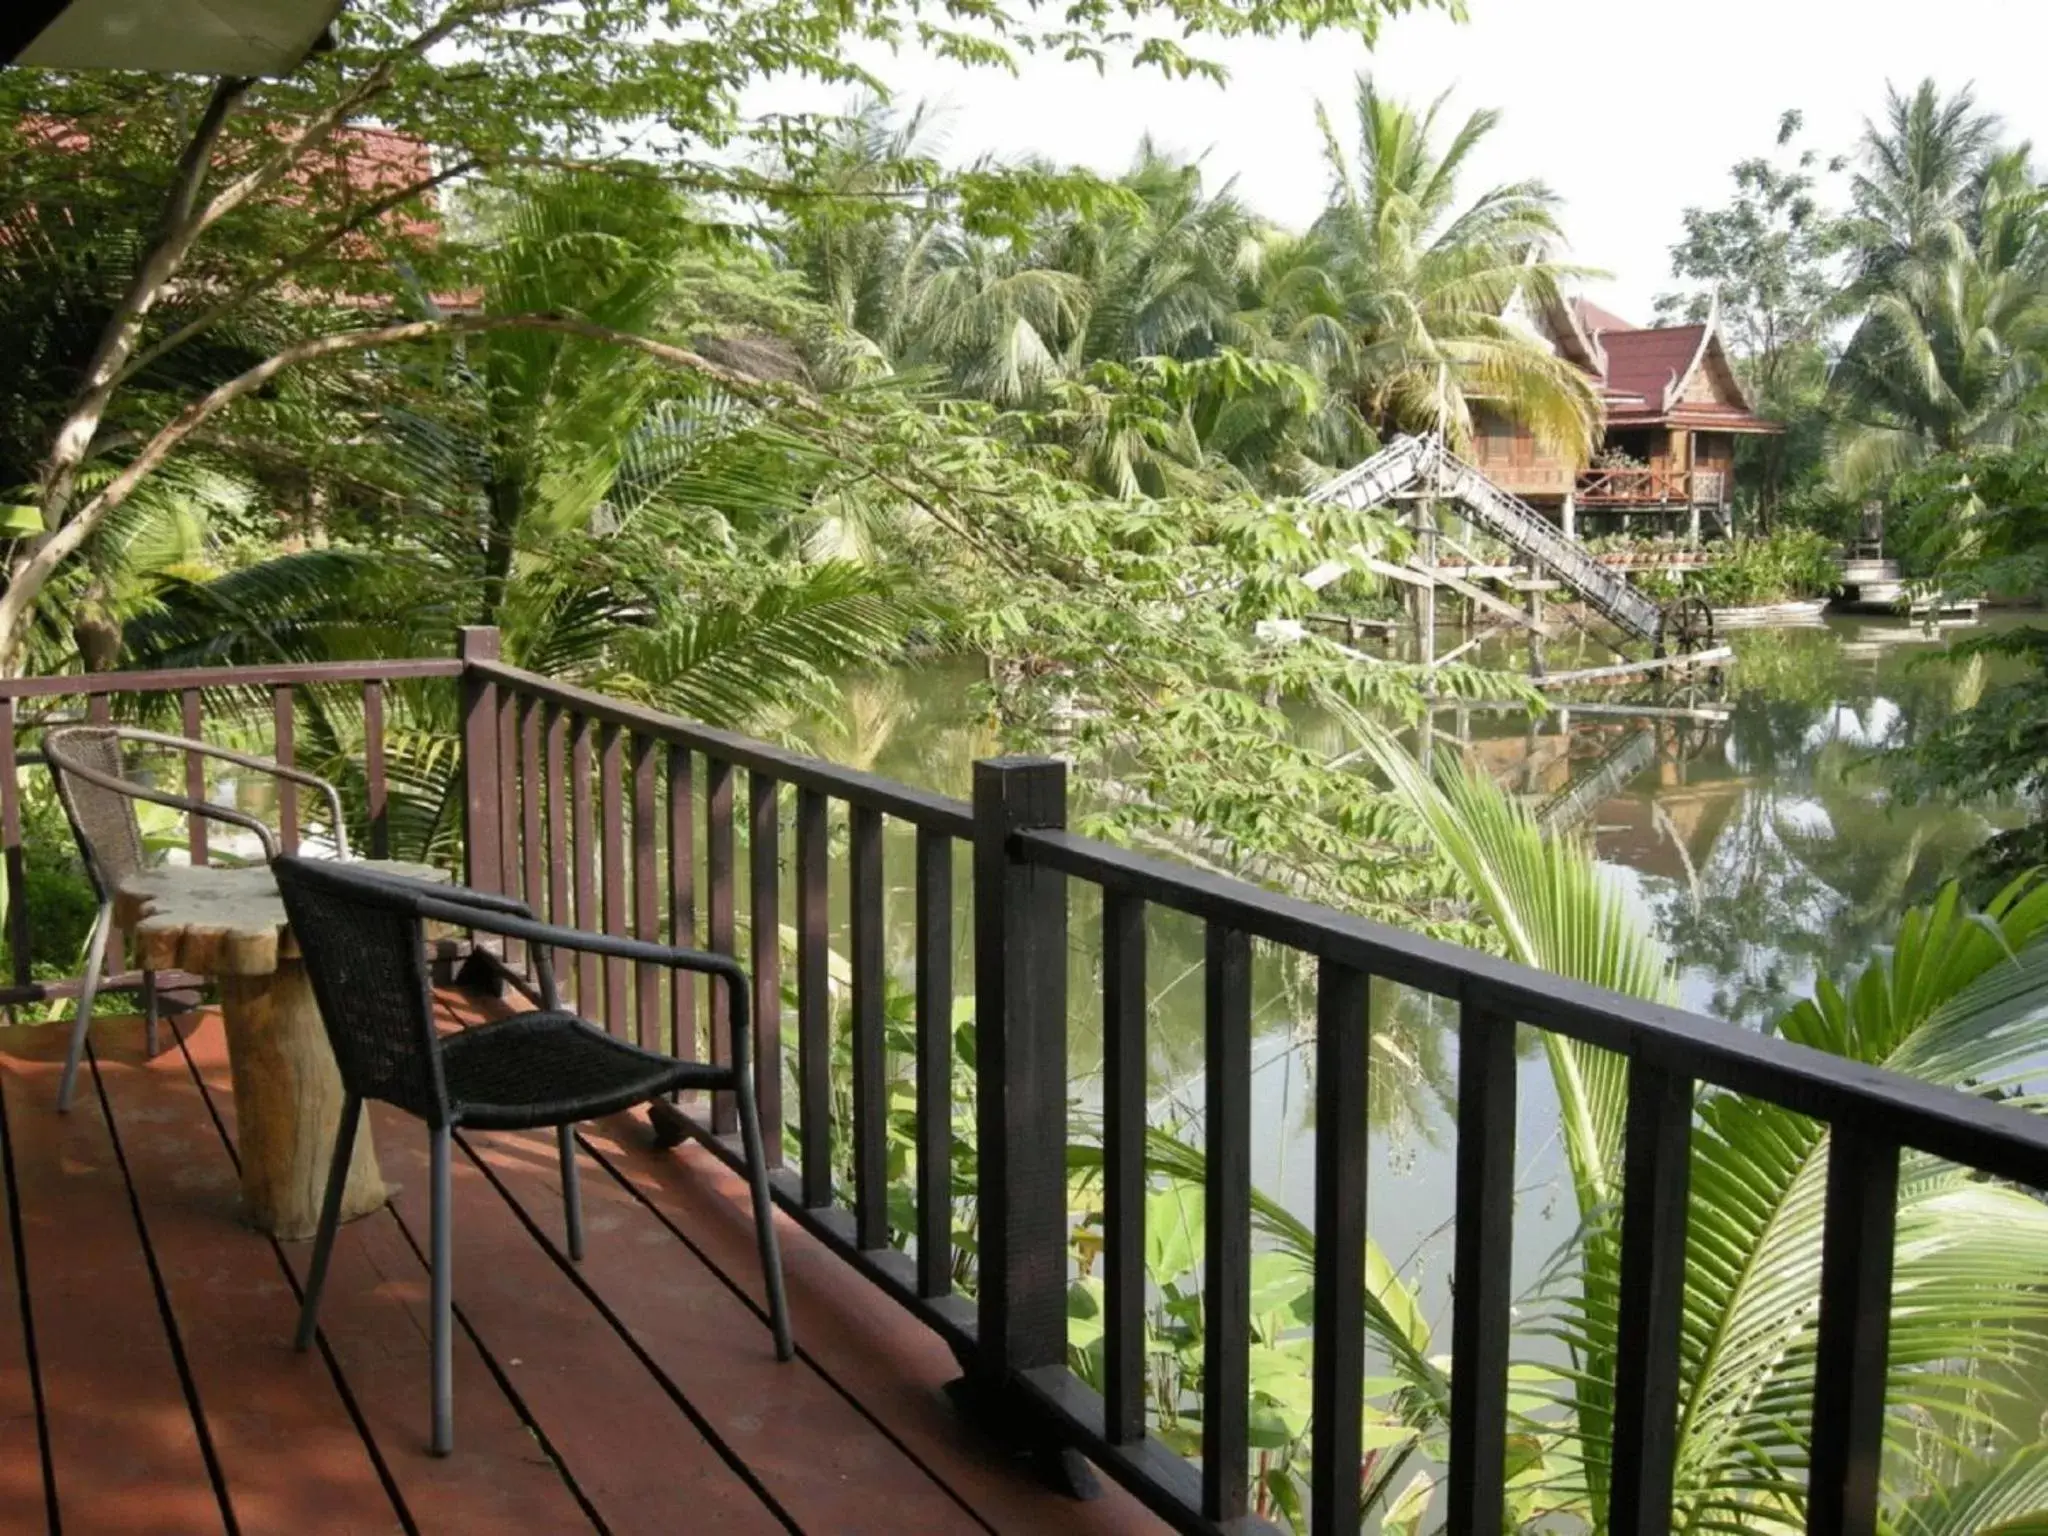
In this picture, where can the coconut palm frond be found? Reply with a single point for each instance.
(2007, 1497)
(1959, 999)
(730, 661)
(315, 605)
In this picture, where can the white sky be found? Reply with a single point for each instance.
(1630, 109)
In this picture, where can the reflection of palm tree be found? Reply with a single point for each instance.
(1876, 859)
(1815, 865)
(923, 727)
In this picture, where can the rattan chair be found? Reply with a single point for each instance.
(360, 933)
(99, 799)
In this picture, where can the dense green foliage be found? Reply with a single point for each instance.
(1934, 415)
(1780, 567)
(1766, 264)
(1979, 526)
(714, 425)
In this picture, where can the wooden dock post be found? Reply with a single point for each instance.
(1425, 594)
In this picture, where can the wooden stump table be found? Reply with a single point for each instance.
(230, 924)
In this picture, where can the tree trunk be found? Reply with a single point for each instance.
(504, 506)
(177, 229)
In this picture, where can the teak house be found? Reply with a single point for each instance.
(1672, 408)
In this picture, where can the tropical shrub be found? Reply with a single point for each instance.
(1783, 567)
(1959, 999)
(55, 887)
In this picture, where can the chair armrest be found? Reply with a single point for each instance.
(476, 902)
(262, 765)
(207, 808)
(437, 903)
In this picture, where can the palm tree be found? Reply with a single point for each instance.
(1402, 299)
(1916, 175)
(861, 240)
(1952, 353)
(627, 530)
(1164, 268)
(1001, 326)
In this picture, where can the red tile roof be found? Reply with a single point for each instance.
(1641, 369)
(1593, 318)
(1647, 363)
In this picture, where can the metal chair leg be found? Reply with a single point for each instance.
(443, 1297)
(95, 959)
(572, 1190)
(764, 1219)
(149, 1015)
(330, 1220)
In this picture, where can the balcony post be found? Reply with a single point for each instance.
(1020, 1039)
(1020, 1042)
(1020, 984)
(480, 862)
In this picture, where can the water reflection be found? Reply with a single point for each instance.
(1749, 815)
(1768, 847)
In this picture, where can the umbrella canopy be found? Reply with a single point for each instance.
(171, 37)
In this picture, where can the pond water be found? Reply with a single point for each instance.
(1749, 819)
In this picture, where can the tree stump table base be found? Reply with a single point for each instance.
(288, 1099)
(230, 924)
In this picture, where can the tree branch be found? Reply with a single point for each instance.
(287, 265)
(322, 124)
(33, 570)
(176, 234)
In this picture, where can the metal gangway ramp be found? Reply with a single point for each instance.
(1423, 465)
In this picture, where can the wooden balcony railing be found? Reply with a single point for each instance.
(1651, 486)
(595, 811)
(179, 701)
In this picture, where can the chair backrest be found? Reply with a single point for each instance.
(103, 820)
(365, 955)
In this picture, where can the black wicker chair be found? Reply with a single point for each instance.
(360, 934)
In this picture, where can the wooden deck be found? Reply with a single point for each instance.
(147, 1382)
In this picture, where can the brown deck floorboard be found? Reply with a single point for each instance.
(124, 1448)
(24, 1499)
(235, 1310)
(887, 1362)
(587, 1392)
(823, 1462)
(634, 1392)
(374, 1320)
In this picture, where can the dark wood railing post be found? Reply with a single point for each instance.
(1656, 1175)
(12, 854)
(1483, 1249)
(1020, 985)
(479, 760)
(1853, 1351)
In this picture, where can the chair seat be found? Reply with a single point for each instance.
(548, 1068)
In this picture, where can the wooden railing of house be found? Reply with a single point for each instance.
(1651, 486)
(572, 800)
